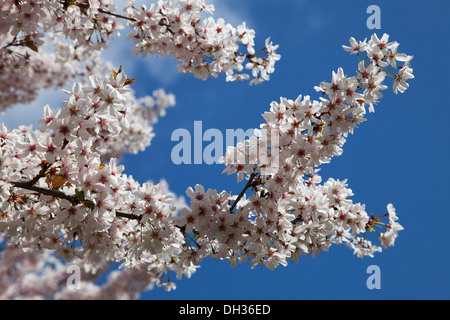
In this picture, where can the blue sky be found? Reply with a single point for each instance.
(399, 155)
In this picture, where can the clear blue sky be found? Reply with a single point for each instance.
(400, 155)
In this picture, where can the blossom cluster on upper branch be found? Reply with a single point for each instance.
(79, 30)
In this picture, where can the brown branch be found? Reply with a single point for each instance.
(84, 7)
(248, 185)
(47, 192)
(126, 215)
(117, 15)
(44, 167)
(29, 185)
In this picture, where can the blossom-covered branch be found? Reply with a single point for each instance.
(289, 213)
(80, 30)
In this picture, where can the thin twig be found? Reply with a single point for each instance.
(118, 15)
(249, 183)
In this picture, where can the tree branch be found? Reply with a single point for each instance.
(84, 6)
(249, 183)
(126, 215)
(48, 192)
(61, 195)
(116, 15)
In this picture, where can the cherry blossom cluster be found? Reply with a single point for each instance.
(60, 192)
(287, 201)
(203, 47)
(86, 22)
(269, 231)
(47, 44)
(24, 73)
(136, 135)
(32, 275)
(40, 275)
(310, 132)
(136, 130)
